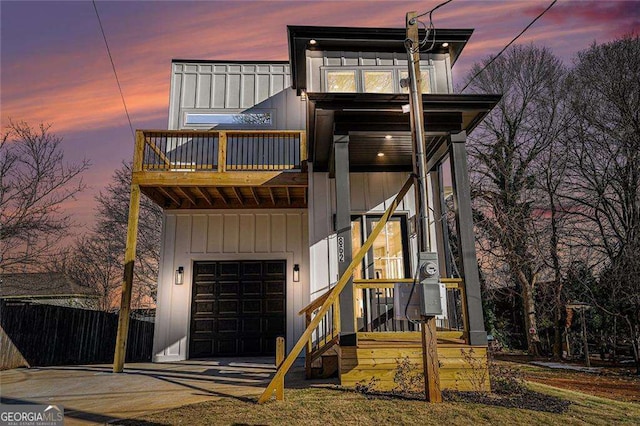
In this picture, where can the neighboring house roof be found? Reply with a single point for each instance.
(41, 285)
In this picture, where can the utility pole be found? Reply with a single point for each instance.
(429, 337)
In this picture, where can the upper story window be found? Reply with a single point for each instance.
(341, 81)
(425, 83)
(239, 120)
(371, 79)
(378, 81)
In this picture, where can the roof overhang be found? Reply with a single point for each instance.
(375, 123)
(389, 40)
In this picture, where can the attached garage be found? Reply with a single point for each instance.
(238, 308)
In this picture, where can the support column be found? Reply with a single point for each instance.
(127, 284)
(466, 238)
(343, 231)
(439, 235)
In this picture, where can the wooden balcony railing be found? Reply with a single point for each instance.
(377, 308)
(219, 151)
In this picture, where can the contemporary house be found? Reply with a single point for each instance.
(273, 175)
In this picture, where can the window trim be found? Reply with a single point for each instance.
(361, 69)
(366, 219)
(229, 126)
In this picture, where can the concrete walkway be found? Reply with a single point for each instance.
(91, 394)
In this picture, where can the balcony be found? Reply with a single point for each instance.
(186, 169)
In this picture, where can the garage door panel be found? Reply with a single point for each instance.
(227, 289)
(251, 346)
(274, 288)
(238, 307)
(252, 269)
(206, 268)
(203, 326)
(274, 306)
(252, 306)
(204, 308)
(252, 288)
(251, 325)
(227, 307)
(229, 269)
(275, 268)
(273, 326)
(201, 348)
(226, 346)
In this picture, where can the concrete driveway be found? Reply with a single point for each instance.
(91, 394)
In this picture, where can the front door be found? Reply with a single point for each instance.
(238, 308)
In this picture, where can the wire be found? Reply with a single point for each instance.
(509, 44)
(113, 66)
(430, 12)
(430, 29)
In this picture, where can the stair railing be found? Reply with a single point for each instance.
(325, 335)
(277, 383)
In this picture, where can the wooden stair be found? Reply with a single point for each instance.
(375, 359)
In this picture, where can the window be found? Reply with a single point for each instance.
(424, 79)
(214, 119)
(341, 81)
(378, 81)
(370, 79)
(388, 257)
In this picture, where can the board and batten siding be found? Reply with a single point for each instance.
(215, 87)
(371, 193)
(438, 65)
(190, 236)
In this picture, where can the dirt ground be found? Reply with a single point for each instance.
(617, 383)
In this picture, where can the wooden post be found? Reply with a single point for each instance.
(584, 339)
(127, 283)
(429, 339)
(430, 361)
(222, 152)
(280, 352)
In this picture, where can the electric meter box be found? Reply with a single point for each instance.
(429, 278)
(424, 299)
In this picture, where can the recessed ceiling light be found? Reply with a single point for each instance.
(388, 137)
(312, 41)
(381, 154)
(445, 44)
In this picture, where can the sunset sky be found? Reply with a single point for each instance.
(54, 67)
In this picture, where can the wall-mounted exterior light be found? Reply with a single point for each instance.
(179, 275)
(296, 273)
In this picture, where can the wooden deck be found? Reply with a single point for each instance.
(388, 341)
(186, 169)
(376, 360)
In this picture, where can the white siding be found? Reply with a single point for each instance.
(235, 87)
(191, 236)
(370, 193)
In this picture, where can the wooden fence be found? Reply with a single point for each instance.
(43, 335)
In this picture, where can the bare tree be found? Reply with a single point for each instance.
(35, 182)
(94, 263)
(111, 222)
(504, 151)
(605, 172)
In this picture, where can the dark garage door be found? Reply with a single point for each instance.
(238, 308)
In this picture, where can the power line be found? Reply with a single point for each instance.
(113, 66)
(429, 29)
(509, 44)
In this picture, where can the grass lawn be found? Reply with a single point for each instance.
(325, 406)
